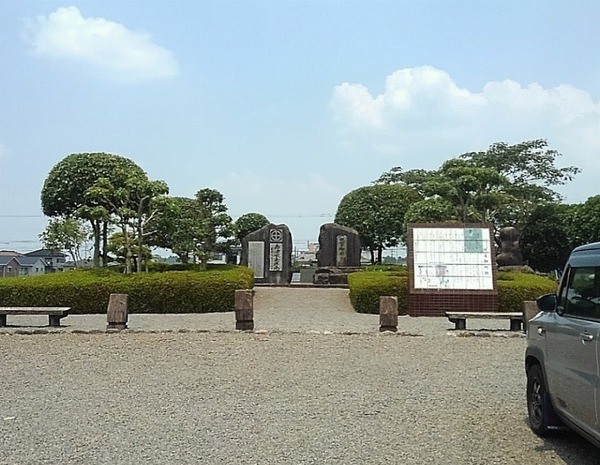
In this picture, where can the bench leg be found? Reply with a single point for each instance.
(515, 324)
(459, 323)
(54, 320)
(2, 320)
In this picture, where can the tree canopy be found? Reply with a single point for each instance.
(248, 223)
(66, 191)
(501, 185)
(377, 213)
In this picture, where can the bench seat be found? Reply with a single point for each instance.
(460, 318)
(54, 313)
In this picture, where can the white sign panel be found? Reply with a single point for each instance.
(256, 258)
(452, 258)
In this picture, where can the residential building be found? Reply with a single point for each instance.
(21, 266)
(55, 260)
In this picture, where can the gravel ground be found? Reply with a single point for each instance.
(283, 395)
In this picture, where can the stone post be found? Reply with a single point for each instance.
(388, 313)
(530, 309)
(116, 314)
(244, 309)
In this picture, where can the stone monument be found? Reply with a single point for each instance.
(338, 255)
(268, 251)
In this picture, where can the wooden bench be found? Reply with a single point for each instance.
(460, 318)
(54, 313)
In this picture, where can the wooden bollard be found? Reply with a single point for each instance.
(116, 314)
(244, 309)
(388, 313)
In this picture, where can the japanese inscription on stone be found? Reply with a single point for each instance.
(342, 251)
(276, 250)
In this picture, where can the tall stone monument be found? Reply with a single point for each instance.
(339, 246)
(268, 251)
(338, 255)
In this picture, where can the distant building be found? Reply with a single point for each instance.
(21, 266)
(10, 253)
(54, 260)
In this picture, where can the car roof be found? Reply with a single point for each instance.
(586, 255)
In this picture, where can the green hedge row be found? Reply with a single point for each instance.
(513, 288)
(88, 292)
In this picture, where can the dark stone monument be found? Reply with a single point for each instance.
(339, 246)
(268, 251)
(510, 250)
(338, 255)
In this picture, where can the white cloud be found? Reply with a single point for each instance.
(423, 117)
(109, 47)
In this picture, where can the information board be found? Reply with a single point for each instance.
(452, 258)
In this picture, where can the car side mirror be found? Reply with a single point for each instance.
(547, 303)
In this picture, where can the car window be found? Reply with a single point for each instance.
(580, 294)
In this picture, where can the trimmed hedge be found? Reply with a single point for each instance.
(367, 286)
(513, 288)
(88, 291)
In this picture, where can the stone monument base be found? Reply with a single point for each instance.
(333, 275)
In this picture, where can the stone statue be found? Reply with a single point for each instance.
(510, 250)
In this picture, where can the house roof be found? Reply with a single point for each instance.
(9, 253)
(45, 253)
(22, 261)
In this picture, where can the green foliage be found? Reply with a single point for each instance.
(431, 210)
(87, 292)
(545, 239)
(367, 286)
(177, 226)
(66, 191)
(513, 288)
(377, 214)
(65, 234)
(584, 224)
(218, 225)
(501, 185)
(249, 223)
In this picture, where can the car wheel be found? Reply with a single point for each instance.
(539, 406)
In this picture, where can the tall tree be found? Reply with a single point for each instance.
(248, 223)
(64, 191)
(377, 213)
(501, 185)
(218, 225)
(584, 225)
(545, 241)
(66, 234)
(130, 205)
(177, 225)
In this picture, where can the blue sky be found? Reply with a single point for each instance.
(285, 107)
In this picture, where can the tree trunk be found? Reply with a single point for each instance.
(372, 255)
(96, 232)
(379, 254)
(105, 243)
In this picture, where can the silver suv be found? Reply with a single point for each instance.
(562, 359)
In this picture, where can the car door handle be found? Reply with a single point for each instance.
(541, 330)
(586, 337)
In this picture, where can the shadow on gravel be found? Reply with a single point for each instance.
(571, 448)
